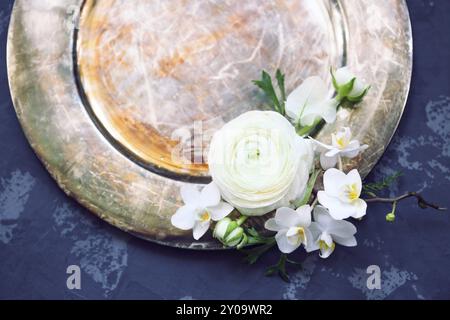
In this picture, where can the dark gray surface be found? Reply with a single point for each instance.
(42, 231)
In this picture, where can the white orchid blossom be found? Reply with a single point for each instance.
(342, 194)
(292, 228)
(348, 85)
(311, 102)
(328, 232)
(342, 146)
(199, 209)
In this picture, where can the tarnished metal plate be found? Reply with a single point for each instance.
(107, 91)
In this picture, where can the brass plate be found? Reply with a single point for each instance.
(104, 89)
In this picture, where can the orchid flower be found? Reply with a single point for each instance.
(342, 194)
(310, 102)
(292, 228)
(342, 146)
(199, 209)
(330, 231)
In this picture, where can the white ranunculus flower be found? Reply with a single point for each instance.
(259, 162)
(311, 102)
(342, 146)
(328, 231)
(292, 227)
(200, 207)
(342, 194)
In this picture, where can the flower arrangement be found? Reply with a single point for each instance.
(267, 161)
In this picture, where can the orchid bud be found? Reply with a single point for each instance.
(390, 217)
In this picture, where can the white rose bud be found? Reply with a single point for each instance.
(259, 162)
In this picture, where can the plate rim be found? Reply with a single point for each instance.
(95, 210)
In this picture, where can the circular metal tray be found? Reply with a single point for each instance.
(107, 91)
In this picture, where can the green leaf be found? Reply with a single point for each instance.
(279, 268)
(307, 130)
(333, 80)
(253, 254)
(309, 188)
(281, 85)
(345, 90)
(265, 84)
(252, 232)
(254, 238)
(372, 188)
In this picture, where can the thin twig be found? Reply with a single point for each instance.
(422, 202)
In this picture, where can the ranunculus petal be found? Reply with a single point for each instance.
(190, 194)
(200, 228)
(283, 244)
(220, 211)
(306, 147)
(184, 218)
(210, 195)
(332, 181)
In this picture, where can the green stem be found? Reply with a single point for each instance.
(253, 254)
(241, 220)
(420, 199)
(394, 207)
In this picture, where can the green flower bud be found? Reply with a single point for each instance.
(390, 217)
(235, 237)
(233, 225)
(243, 242)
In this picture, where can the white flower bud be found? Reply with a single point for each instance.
(221, 228)
(348, 86)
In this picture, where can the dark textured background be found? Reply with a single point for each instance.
(42, 231)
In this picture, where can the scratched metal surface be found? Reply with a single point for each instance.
(100, 105)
